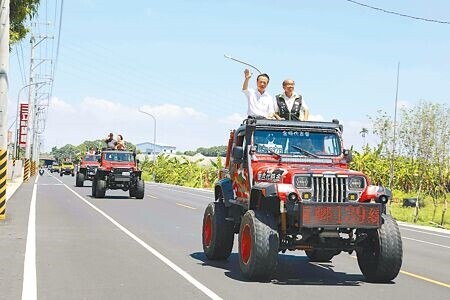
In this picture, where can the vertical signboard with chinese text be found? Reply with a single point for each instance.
(23, 125)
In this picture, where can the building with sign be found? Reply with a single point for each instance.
(150, 148)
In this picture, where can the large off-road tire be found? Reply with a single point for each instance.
(100, 189)
(132, 191)
(217, 232)
(140, 189)
(94, 188)
(320, 255)
(258, 245)
(381, 257)
(79, 180)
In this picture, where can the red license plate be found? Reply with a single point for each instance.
(349, 215)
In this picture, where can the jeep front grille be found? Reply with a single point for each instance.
(120, 170)
(329, 189)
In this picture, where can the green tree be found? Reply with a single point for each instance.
(20, 12)
(422, 160)
(210, 152)
(69, 152)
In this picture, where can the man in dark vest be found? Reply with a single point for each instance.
(290, 105)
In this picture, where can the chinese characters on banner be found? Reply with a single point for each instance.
(23, 125)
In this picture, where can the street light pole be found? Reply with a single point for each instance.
(154, 140)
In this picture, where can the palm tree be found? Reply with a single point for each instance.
(364, 131)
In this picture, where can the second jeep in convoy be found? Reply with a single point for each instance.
(87, 168)
(67, 168)
(118, 170)
(287, 186)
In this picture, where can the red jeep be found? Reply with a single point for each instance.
(87, 168)
(118, 170)
(287, 186)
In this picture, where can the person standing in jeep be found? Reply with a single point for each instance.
(110, 142)
(290, 105)
(260, 102)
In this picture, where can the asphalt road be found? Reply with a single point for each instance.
(121, 248)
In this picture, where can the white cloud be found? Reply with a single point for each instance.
(174, 111)
(316, 118)
(61, 106)
(93, 118)
(233, 119)
(182, 127)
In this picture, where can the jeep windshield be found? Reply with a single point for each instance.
(91, 157)
(297, 142)
(119, 156)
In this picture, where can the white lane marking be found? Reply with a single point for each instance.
(184, 205)
(152, 196)
(183, 192)
(429, 233)
(29, 287)
(420, 241)
(161, 257)
(319, 265)
(50, 184)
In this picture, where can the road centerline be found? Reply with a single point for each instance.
(419, 277)
(184, 205)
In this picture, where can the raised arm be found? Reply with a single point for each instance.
(247, 76)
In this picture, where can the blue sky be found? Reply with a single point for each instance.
(167, 57)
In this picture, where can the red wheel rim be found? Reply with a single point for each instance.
(246, 244)
(207, 231)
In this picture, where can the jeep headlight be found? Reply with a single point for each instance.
(302, 182)
(356, 183)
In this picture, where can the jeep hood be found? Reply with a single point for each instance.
(277, 173)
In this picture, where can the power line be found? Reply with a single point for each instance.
(398, 14)
(59, 36)
(22, 72)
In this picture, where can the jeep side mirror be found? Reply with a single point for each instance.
(348, 155)
(238, 153)
(99, 160)
(137, 161)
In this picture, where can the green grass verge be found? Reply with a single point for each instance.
(406, 214)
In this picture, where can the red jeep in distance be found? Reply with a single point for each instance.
(118, 170)
(87, 168)
(286, 186)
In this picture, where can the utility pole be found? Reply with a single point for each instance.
(394, 142)
(30, 103)
(4, 68)
(154, 141)
(35, 107)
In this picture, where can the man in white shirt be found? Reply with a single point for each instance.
(290, 105)
(260, 103)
